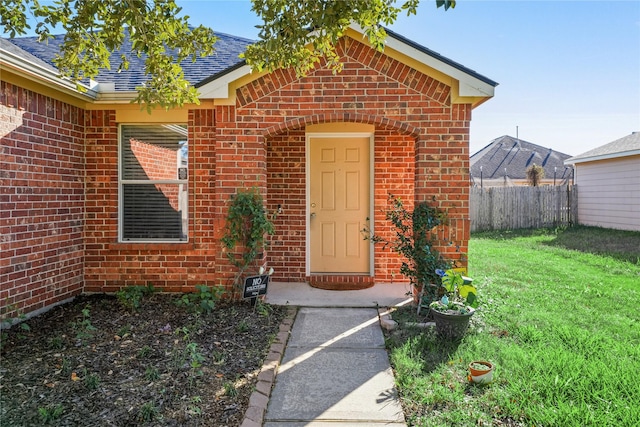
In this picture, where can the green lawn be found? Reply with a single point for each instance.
(560, 320)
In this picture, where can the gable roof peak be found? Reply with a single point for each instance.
(471, 87)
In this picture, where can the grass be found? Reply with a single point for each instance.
(559, 318)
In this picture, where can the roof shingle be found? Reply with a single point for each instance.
(228, 49)
(512, 156)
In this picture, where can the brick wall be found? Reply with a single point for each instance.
(42, 196)
(60, 174)
(421, 144)
(286, 188)
(174, 267)
(394, 174)
(240, 164)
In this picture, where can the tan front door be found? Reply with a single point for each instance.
(338, 204)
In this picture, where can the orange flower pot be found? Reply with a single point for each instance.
(481, 372)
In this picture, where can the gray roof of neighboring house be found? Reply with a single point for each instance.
(516, 155)
(228, 49)
(626, 146)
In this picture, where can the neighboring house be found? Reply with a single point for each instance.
(97, 194)
(608, 180)
(504, 162)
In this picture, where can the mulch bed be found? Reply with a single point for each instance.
(94, 362)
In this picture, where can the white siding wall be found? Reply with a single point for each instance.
(609, 193)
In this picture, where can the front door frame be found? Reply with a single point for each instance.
(308, 137)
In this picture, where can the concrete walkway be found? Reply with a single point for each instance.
(329, 366)
(303, 295)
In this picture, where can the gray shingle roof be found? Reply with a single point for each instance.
(228, 48)
(516, 155)
(6, 45)
(627, 145)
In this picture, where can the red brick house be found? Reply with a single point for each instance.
(98, 195)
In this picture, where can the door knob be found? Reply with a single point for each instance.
(313, 215)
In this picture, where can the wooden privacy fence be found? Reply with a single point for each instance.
(509, 208)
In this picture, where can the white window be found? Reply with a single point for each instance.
(152, 180)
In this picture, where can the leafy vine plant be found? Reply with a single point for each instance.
(246, 230)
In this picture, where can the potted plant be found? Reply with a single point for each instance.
(454, 309)
(481, 372)
(415, 238)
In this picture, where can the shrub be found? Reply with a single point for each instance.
(415, 238)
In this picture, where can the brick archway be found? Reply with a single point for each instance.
(379, 122)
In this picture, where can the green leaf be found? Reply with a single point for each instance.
(446, 3)
(472, 301)
(467, 291)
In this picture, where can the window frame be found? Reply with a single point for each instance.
(122, 182)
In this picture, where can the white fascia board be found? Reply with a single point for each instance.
(43, 75)
(219, 88)
(469, 85)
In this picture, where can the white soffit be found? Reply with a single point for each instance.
(219, 88)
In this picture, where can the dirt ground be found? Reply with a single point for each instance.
(95, 362)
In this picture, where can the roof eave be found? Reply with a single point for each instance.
(609, 156)
(218, 85)
(43, 75)
(471, 82)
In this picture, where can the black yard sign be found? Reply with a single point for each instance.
(255, 286)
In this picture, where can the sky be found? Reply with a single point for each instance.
(568, 71)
